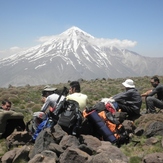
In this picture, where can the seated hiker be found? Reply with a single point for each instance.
(69, 111)
(76, 95)
(49, 98)
(130, 100)
(10, 120)
(153, 102)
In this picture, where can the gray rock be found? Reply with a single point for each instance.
(16, 154)
(153, 158)
(69, 141)
(74, 155)
(154, 128)
(42, 142)
(90, 141)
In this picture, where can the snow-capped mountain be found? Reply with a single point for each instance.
(71, 55)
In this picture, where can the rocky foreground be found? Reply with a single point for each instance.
(55, 146)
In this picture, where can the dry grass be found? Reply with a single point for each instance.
(30, 96)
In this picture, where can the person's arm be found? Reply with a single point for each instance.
(120, 96)
(45, 105)
(154, 91)
(146, 93)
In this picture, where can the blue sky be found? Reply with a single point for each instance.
(24, 22)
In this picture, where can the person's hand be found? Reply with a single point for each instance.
(146, 93)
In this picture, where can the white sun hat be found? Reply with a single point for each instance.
(129, 83)
(48, 88)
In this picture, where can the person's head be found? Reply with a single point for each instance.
(74, 87)
(6, 104)
(128, 84)
(155, 81)
(48, 91)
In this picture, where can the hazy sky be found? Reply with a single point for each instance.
(140, 22)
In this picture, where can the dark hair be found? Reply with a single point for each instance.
(76, 85)
(6, 101)
(155, 78)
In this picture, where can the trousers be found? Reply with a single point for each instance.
(152, 103)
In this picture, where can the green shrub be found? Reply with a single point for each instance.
(30, 105)
(5, 96)
(14, 99)
(135, 159)
(14, 91)
(3, 147)
(36, 108)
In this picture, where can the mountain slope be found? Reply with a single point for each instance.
(71, 55)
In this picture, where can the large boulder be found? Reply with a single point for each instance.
(18, 138)
(16, 155)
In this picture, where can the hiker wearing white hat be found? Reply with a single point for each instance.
(130, 100)
(129, 83)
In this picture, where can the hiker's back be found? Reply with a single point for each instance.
(80, 98)
(76, 95)
(130, 100)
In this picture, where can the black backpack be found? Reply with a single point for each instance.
(69, 117)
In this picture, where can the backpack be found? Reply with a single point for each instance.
(117, 128)
(46, 123)
(113, 120)
(69, 116)
(101, 106)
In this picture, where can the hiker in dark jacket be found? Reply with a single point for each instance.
(153, 102)
(129, 101)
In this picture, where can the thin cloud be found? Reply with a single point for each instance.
(15, 48)
(8, 52)
(101, 42)
(116, 42)
(45, 38)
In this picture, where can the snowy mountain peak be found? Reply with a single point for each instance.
(76, 32)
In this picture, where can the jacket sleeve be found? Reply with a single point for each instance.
(45, 105)
(121, 96)
(154, 91)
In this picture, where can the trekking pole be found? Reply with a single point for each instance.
(65, 90)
